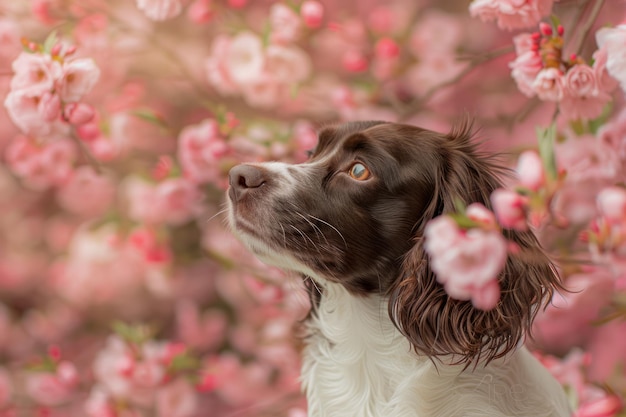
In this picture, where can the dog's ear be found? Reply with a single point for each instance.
(437, 325)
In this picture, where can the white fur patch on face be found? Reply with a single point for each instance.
(281, 173)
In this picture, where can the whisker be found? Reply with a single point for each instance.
(332, 227)
(217, 214)
(318, 231)
(305, 237)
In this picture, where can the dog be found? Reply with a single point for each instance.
(383, 339)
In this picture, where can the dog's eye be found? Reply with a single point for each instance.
(359, 172)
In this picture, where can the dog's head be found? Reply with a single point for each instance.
(355, 213)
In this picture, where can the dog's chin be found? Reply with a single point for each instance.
(267, 252)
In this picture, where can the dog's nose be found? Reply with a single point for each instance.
(243, 178)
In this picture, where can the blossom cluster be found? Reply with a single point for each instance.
(458, 255)
(581, 90)
(122, 294)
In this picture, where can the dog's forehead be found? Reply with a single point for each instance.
(330, 136)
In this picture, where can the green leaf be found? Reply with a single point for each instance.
(463, 221)
(555, 21)
(151, 116)
(546, 138)
(50, 41)
(135, 334)
(184, 362)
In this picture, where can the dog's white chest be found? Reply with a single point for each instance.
(357, 364)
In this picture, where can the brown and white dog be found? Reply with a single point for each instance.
(383, 337)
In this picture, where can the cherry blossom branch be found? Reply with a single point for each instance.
(93, 162)
(474, 63)
(586, 28)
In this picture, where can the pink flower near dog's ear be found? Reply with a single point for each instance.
(530, 170)
(612, 203)
(487, 296)
(466, 263)
(510, 209)
(441, 233)
(481, 215)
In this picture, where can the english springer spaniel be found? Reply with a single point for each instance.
(383, 337)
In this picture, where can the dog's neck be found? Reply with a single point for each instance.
(356, 363)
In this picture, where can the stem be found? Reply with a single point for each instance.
(85, 151)
(586, 28)
(473, 64)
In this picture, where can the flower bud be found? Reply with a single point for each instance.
(79, 113)
(530, 170)
(312, 13)
(387, 48)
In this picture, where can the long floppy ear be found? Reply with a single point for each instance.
(438, 325)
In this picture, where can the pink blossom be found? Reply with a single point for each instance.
(487, 296)
(49, 107)
(612, 40)
(285, 24)
(172, 201)
(548, 84)
(354, 61)
(481, 215)
(86, 193)
(201, 331)
(24, 111)
(200, 148)
(265, 92)
(244, 59)
(6, 388)
(99, 268)
(218, 73)
(606, 83)
(201, 11)
(35, 73)
(312, 13)
(612, 204)
(79, 113)
(613, 134)
(176, 399)
(580, 81)
(41, 166)
(524, 42)
(79, 77)
(582, 97)
(131, 374)
(524, 71)
(469, 265)
(510, 209)
(47, 388)
(287, 64)
(160, 9)
(99, 403)
(530, 170)
(588, 159)
(568, 319)
(607, 406)
(511, 14)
